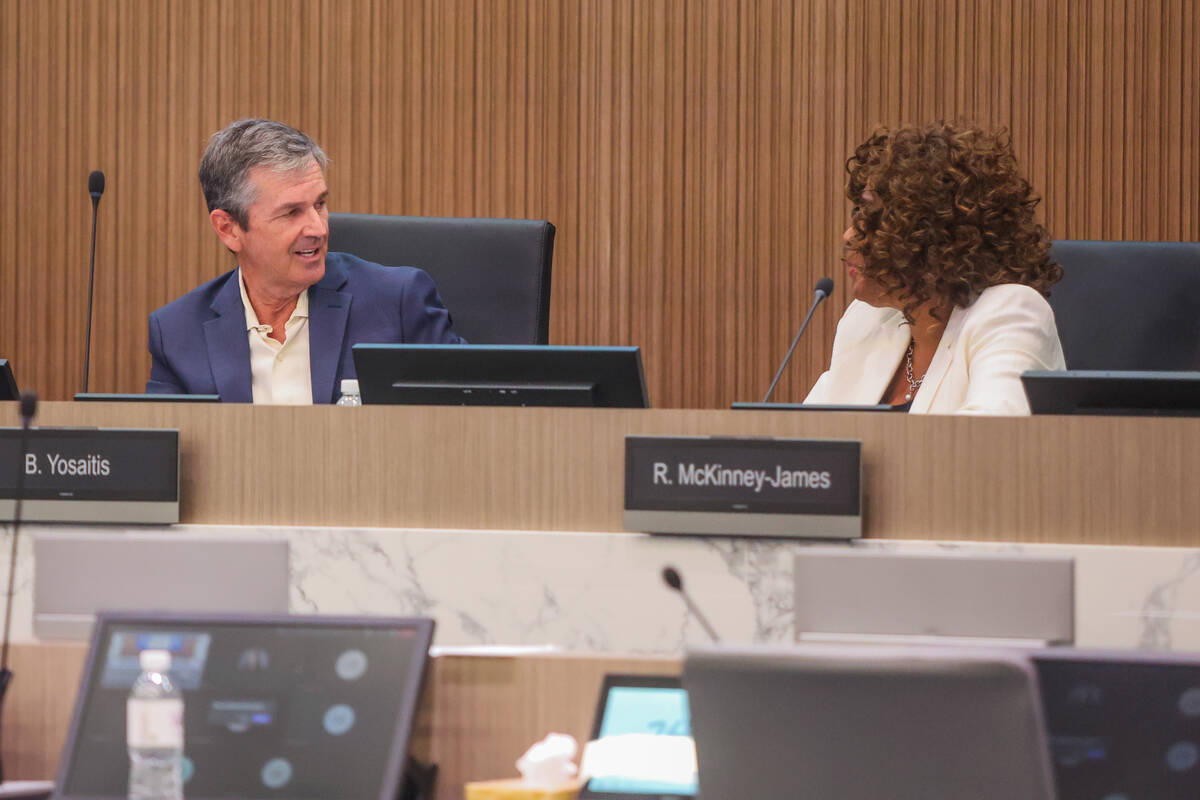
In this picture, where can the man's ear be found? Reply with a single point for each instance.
(228, 230)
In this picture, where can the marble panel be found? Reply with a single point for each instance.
(603, 592)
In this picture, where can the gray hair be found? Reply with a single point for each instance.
(240, 146)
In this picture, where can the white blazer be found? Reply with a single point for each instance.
(978, 364)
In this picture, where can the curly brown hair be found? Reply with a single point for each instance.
(946, 214)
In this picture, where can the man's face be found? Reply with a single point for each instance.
(282, 251)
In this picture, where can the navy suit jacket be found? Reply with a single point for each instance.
(199, 343)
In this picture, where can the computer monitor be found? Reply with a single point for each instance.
(1113, 393)
(275, 706)
(750, 406)
(1122, 724)
(639, 706)
(8, 383)
(863, 722)
(500, 375)
(118, 397)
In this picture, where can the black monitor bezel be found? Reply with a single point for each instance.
(1112, 393)
(611, 681)
(1105, 658)
(615, 372)
(877, 408)
(406, 711)
(121, 397)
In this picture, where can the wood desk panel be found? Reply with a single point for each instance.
(477, 715)
(38, 706)
(1044, 479)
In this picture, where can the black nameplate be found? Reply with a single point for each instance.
(91, 475)
(767, 487)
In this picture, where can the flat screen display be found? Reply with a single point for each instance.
(647, 705)
(283, 708)
(1123, 728)
(1113, 392)
(501, 375)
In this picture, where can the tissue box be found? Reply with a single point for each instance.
(515, 789)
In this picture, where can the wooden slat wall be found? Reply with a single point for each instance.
(689, 151)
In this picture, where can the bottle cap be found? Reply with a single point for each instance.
(349, 386)
(154, 660)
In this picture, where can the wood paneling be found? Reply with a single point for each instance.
(476, 717)
(689, 151)
(38, 706)
(1086, 480)
(480, 714)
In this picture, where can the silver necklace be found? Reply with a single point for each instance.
(913, 383)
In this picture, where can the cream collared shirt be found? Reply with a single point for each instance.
(280, 374)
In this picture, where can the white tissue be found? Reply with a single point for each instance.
(641, 757)
(548, 763)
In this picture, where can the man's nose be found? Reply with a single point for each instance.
(316, 223)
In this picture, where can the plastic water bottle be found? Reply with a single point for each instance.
(350, 395)
(154, 731)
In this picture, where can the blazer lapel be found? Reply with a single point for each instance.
(881, 361)
(940, 366)
(228, 344)
(869, 360)
(328, 313)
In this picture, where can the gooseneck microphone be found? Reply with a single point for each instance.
(28, 410)
(823, 289)
(95, 189)
(673, 579)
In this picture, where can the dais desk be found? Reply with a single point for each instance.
(1093, 480)
(1076, 480)
(477, 715)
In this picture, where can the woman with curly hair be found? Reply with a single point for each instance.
(949, 272)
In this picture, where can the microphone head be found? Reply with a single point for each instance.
(28, 405)
(96, 184)
(824, 287)
(673, 579)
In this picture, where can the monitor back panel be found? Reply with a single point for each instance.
(864, 593)
(1113, 393)
(78, 574)
(441, 374)
(864, 722)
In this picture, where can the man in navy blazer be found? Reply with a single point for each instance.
(279, 327)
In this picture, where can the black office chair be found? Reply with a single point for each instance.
(1128, 305)
(493, 274)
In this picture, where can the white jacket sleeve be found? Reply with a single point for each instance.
(1017, 335)
(819, 394)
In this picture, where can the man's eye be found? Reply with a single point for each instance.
(854, 212)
